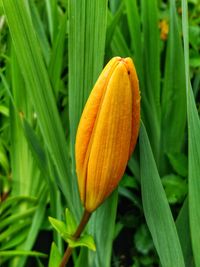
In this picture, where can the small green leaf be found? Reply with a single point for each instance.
(55, 257)
(195, 62)
(4, 163)
(4, 110)
(129, 181)
(143, 240)
(84, 241)
(194, 36)
(60, 227)
(70, 222)
(146, 261)
(179, 163)
(175, 188)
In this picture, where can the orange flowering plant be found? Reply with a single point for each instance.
(52, 158)
(52, 53)
(106, 136)
(107, 131)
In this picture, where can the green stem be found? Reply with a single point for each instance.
(76, 235)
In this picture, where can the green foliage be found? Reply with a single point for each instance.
(60, 227)
(66, 231)
(175, 188)
(16, 226)
(51, 53)
(179, 163)
(31, 62)
(11, 253)
(55, 257)
(194, 143)
(156, 209)
(174, 93)
(143, 241)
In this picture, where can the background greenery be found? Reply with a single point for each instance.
(51, 53)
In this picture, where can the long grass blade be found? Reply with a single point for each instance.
(22, 161)
(194, 147)
(183, 229)
(174, 93)
(118, 44)
(56, 59)
(134, 24)
(42, 36)
(156, 209)
(52, 15)
(102, 228)
(151, 64)
(151, 49)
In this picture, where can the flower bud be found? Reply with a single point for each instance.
(107, 132)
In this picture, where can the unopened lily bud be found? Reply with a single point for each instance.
(107, 132)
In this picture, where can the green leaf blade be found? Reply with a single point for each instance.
(156, 209)
(173, 93)
(194, 146)
(55, 257)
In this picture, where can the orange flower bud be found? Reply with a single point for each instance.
(164, 29)
(107, 132)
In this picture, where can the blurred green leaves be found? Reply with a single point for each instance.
(142, 239)
(179, 163)
(36, 77)
(176, 188)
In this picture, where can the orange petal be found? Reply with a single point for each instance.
(87, 122)
(136, 103)
(111, 141)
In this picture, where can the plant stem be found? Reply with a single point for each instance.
(76, 235)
